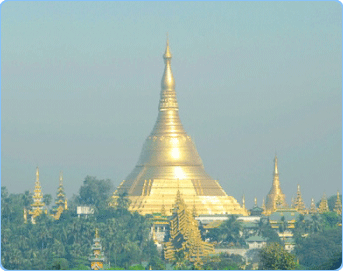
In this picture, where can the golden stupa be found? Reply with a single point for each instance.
(276, 199)
(169, 160)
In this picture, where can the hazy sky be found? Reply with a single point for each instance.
(80, 85)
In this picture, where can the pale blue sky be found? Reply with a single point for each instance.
(80, 84)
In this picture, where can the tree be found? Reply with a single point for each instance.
(332, 201)
(228, 233)
(275, 257)
(95, 192)
(47, 199)
(318, 248)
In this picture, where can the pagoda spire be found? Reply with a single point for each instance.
(299, 204)
(323, 205)
(275, 198)
(338, 205)
(276, 172)
(61, 201)
(243, 201)
(38, 204)
(313, 208)
(97, 258)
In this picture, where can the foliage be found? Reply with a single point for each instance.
(332, 201)
(266, 231)
(95, 192)
(318, 248)
(66, 243)
(275, 257)
(47, 199)
(224, 261)
(333, 263)
(228, 233)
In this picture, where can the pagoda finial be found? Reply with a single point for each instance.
(313, 208)
(275, 166)
(167, 55)
(61, 177)
(323, 205)
(243, 202)
(168, 83)
(255, 202)
(37, 174)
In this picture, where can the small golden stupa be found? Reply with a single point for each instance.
(299, 204)
(276, 198)
(323, 205)
(37, 207)
(169, 157)
(338, 205)
(61, 201)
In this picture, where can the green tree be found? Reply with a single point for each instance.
(95, 192)
(332, 201)
(47, 199)
(275, 257)
(318, 248)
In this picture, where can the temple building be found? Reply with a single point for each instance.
(185, 235)
(37, 207)
(313, 209)
(323, 205)
(276, 199)
(61, 201)
(338, 205)
(97, 257)
(169, 157)
(299, 204)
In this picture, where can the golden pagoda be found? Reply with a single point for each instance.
(313, 209)
(338, 205)
(37, 207)
(299, 204)
(61, 201)
(275, 198)
(323, 205)
(185, 235)
(168, 156)
(97, 258)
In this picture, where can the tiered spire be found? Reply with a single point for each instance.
(313, 208)
(97, 257)
(323, 205)
(61, 201)
(299, 204)
(38, 205)
(185, 236)
(276, 198)
(338, 205)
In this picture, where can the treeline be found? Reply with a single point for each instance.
(125, 237)
(66, 243)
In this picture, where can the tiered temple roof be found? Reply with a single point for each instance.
(185, 235)
(61, 201)
(299, 204)
(323, 205)
(338, 205)
(97, 257)
(38, 205)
